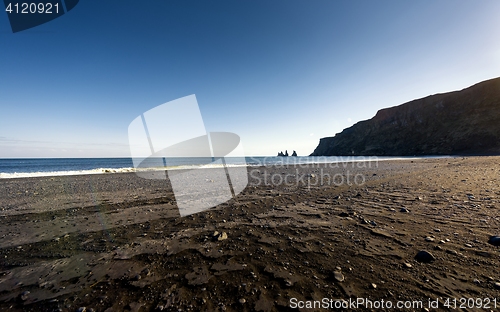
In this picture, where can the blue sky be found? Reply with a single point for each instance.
(281, 74)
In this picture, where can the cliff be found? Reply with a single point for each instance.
(465, 122)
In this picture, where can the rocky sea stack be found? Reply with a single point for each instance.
(465, 122)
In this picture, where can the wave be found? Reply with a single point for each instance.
(108, 170)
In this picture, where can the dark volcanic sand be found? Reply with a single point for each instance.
(116, 242)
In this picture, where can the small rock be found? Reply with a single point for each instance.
(242, 300)
(374, 285)
(497, 285)
(424, 256)
(339, 277)
(468, 245)
(494, 240)
(222, 236)
(24, 295)
(81, 309)
(429, 239)
(407, 265)
(404, 210)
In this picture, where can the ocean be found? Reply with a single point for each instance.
(37, 167)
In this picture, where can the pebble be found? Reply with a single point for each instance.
(497, 285)
(424, 256)
(429, 239)
(404, 210)
(222, 236)
(24, 295)
(494, 240)
(374, 285)
(407, 265)
(339, 277)
(81, 309)
(242, 300)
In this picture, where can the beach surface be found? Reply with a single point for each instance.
(295, 235)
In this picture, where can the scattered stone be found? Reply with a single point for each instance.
(468, 245)
(374, 285)
(407, 265)
(81, 309)
(429, 239)
(219, 236)
(339, 277)
(242, 300)
(494, 240)
(497, 285)
(424, 256)
(222, 236)
(404, 210)
(24, 295)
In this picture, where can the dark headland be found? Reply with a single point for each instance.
(465, 122)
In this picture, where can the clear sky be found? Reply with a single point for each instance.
(281, 74)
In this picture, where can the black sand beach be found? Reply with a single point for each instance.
(116, 242)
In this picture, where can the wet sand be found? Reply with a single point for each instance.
(116, 242)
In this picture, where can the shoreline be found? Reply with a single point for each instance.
(342, 159)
